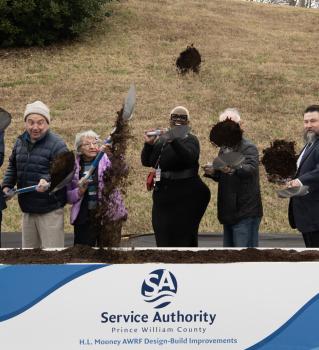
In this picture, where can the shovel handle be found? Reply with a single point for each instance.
(26, 189)
(23, 190)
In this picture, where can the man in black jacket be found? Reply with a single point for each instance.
(29, 164)
(239, 203)
(303, 211)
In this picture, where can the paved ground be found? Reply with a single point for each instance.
(13, 240)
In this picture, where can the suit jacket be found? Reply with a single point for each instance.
(304, 211)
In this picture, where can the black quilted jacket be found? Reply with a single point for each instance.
(30, 162)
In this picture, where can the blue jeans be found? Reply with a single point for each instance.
(242, 234)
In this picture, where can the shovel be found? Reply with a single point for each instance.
(230, 159)
(61, 171)
(127, 114)
(289, 192)
(5, 119)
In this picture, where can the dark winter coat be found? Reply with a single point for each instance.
(239, 194)
(178, 203)
(30, 162)
(2, 201)
(303, 211)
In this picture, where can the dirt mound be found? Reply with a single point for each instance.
(84, 254)
(280, 160)
(189, 60)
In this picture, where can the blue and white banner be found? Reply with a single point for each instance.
(255, 306)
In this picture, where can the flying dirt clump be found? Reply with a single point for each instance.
(61, 167)
(226, 133)
(114, 179)
(189, 60)
(280, 160)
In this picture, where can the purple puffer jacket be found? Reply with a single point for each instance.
(116, 208)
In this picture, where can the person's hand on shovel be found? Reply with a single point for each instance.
(150, 139)
(84, 186)
(293, 183)
(107, 149)
(8, 193)
(227, 170)
(208, 169)
(43, 185)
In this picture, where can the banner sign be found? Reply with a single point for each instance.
(264, 306)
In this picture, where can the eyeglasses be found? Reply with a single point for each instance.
(39, 123)
(89, 144)
(182, 117)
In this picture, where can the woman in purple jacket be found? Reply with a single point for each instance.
(85, 199)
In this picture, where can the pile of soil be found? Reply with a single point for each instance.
(226, 133)
(84, 254)
(189, 60)
(280, 160)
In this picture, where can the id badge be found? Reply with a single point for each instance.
(158, 174)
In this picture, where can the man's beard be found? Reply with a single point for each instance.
(309, 136)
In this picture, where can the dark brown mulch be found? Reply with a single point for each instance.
(61, 167)
(115, 178)
(84, 254)
(226, 133)
(189, 60)
(280, 160)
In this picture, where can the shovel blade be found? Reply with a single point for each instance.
(293, 192)
(218, 163)
(232, 159)
(129, 103)
(63, 183)
(5, 119)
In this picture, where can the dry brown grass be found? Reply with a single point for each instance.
(258, 58)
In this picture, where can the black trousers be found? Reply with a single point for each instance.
(178, 207)
(311, 239)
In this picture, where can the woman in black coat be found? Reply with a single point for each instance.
(180, 198)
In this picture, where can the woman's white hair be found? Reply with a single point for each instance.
(81, 135)
(230, 113)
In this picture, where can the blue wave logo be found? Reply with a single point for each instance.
(23, 286)
(159, 288)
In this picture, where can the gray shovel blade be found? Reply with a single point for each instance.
(129, 103)
(232, 159)
(178, 131)
(5, 119)
(218, 163)
(63, 183)
(293, 192)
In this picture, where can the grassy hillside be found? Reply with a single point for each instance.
(261, 59)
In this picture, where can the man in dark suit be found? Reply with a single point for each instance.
(304, 210)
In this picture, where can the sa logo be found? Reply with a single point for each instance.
(159, 287)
